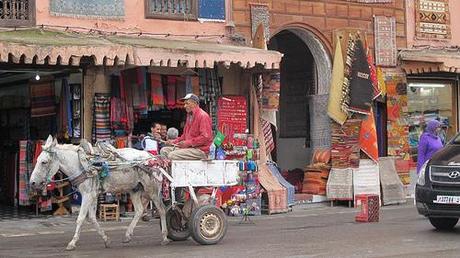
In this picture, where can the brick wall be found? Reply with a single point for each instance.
(322, 15)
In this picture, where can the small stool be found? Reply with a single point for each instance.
(109, 212)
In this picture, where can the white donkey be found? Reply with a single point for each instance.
(125, 179)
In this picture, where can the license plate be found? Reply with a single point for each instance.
(445, 199)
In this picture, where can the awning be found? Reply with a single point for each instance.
(35, 46)
(429, 60)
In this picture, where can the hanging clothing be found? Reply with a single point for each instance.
(171, 91)
(156, 92)
(42, 99)
(102, 128)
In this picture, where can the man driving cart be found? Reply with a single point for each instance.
(194, 142)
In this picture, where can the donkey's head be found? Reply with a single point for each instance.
(47, 165)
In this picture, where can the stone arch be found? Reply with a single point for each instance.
(319, 47)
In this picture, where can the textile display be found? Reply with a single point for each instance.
(345, 144)
(139, 90)
(181, 85)
(271, 91)
(340, 184)
(65, 111)
(373, 74)
(118, 116)
(108, 9)
(171, 91)
(361, 91)
(289, 188)
(25, 159)
(210, 91)
(333, 108)
(366, 179)
(42, 101)
(232, 117)
(126, 96)
(381, 81)
(156, 92)
(385, 41)
(397, 124)
(392, 188)
(102, 127)
(277, 194)
(368, 137)
(268, 136)
(315, 180)
(260, 14)
(432, 19)
(320, 124)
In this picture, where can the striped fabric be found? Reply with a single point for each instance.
(23, 174)
(268, 136)
(101, 122)
(42, 99)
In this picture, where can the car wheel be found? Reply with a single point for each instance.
(443, 224)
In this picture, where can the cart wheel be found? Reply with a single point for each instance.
(177, 229)
(208, 225)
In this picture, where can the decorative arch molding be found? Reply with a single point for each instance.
(320, 49)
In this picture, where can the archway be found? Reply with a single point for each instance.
(305, 72)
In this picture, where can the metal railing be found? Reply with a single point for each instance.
(15, 13)
(171, 9)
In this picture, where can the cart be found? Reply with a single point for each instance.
(199, 217)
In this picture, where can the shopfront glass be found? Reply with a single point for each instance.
(428, 101)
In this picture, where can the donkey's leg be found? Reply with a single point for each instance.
(138, 210)
(162, 211)
(85, 206)
(92, 217)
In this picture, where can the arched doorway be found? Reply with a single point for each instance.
(305, 72)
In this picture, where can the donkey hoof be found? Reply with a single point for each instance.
(126, 239)
(70, 247)
(165, 242)
(107, 243)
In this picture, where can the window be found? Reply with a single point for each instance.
(171, 9)
(17, 13)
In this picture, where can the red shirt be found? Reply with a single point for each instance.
(197, 131)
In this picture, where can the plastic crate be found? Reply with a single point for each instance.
(370, 207)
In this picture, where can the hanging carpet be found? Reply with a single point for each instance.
(42, 99)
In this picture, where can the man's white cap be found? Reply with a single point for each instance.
(191, 96)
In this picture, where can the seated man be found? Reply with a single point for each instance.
(151, 142)
(172, 133)
(194, 143)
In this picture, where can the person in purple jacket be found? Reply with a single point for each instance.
(429, 143)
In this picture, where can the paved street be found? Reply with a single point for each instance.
(306, 232)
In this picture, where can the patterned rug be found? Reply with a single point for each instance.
(385, 41)
(345, 144)
(432, 19)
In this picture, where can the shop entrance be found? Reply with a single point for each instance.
(430, 99)
(305, 71)
(35, 101)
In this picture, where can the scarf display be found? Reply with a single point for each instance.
(334, 108)
(101, 120)
(268, 136)
(42, 99)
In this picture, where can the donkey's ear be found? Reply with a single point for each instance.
(54, 143)
(49, 141)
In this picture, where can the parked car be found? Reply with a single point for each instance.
(437, 193)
